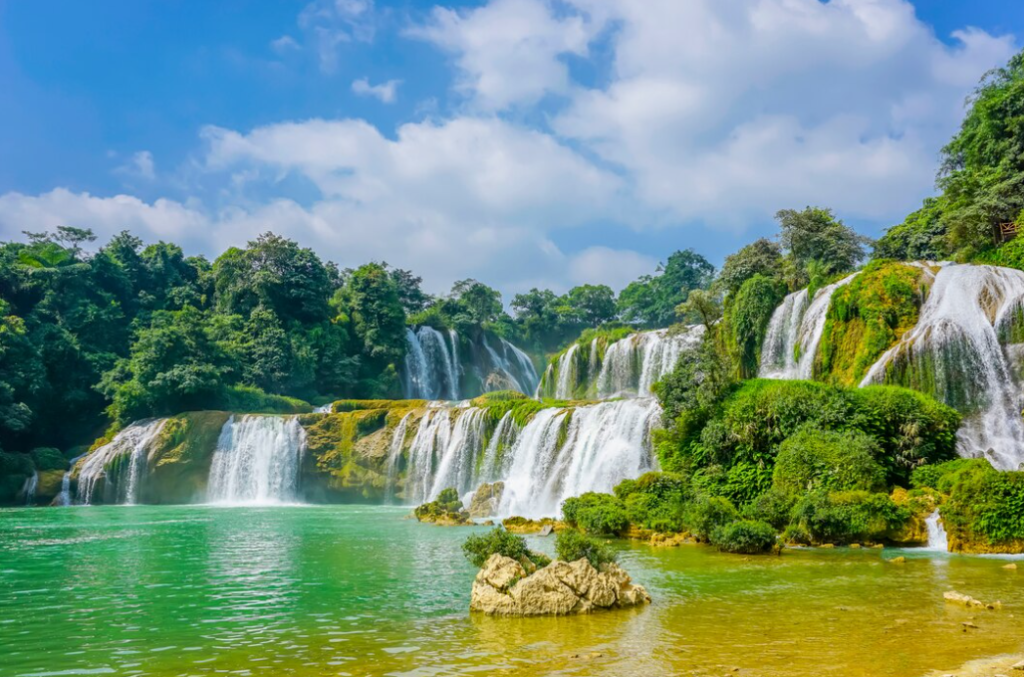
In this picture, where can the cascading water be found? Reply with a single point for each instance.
(794, 332)
(603, 444)
(960, 351)
(257, 461)
(394, 452)
(513, 367)
(431, 365)
(557, 454)
(64, 497)
(634, 364)
(567, 373)
(937, 539)
(133, 441)
(29, 490)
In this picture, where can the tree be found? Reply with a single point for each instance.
(592, 305)
(410, 294)
(815, 234)
(471, 304)
(761, 257)
(372, 300)
(652, 301)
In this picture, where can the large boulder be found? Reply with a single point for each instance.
(485, 500)
(504, 588)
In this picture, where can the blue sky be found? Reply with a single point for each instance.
(522, 142)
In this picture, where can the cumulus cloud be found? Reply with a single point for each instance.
(386, 91)
(698, 113)
(508, 52)
(139, 165)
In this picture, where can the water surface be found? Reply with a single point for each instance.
(346, 590)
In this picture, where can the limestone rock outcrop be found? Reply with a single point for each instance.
(485, 500)
(504, 588)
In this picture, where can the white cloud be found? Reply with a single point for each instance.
(284, 44)
(508, 52)
(328, 24)
(139, 165)
(613, 267)
(386, 91)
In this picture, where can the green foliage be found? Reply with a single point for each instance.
(866, 317)
(921, 236)
(815, 459)
(761, 257)
(706, 514)
(14, 470)
(447, 504)
(848, 517)
(594, 513)
(651, 301)
(478, 548)
(48, 458)
(571, 545)
(985, 506)
(816, 235)
(773, 506)
(748, 314)
(656, 500)
(745, 537)
(942, 476)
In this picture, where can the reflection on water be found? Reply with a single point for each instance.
(320, 590)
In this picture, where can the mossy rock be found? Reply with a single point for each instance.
(343, 406)
(49, 486)
(867, 317)
(178, 465)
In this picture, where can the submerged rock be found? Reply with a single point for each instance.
(953, 597)
(504, 588)
(485, 500)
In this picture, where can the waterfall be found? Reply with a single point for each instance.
(29, 489)
(257, 460)
(634, 364)
(434, 432)
(956, 353)
(134, 441)
(64, 498)
(431, 365)
(511, 365)
(936, 533)
(567, 377)
(458, 457)
(495, 463)
(394, 452)
(794, 332)
(563, 453)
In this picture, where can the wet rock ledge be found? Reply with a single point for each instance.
(504, 588)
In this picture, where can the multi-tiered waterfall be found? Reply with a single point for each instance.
(966, 350)
(557, 453)
(436, 369)
(629, 366)
(794, 333)
(257, 460)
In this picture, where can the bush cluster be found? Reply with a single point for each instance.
(478, 548)
(572, 545)
(745, 537)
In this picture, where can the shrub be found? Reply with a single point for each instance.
(912, 429)
(826, 459)
(773, 506)
(594, 513)
(746, 537)
(48, 458)
(849, 516)
(447, 503)
(655, 500)
(478, 548)
(572, 545)
(942, 476)
(706, 514)
(748, 314)
(985, 506)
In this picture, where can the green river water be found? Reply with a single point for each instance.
(348, 590)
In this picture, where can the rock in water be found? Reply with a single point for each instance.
(953, 597)
(503, 588)
(486, 499)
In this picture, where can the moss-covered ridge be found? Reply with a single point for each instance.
(588, 352)
(867, 317)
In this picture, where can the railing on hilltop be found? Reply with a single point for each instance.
(1007, 231)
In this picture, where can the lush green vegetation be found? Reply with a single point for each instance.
(745, 537)
(866, 317)
(571, 545)
(446, 507)
(981, 179)
(478, 548)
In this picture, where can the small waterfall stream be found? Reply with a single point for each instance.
(64, 498)
(936, 533)
(794, 332)
(257, 461)
(134, 442)
(29, 490)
